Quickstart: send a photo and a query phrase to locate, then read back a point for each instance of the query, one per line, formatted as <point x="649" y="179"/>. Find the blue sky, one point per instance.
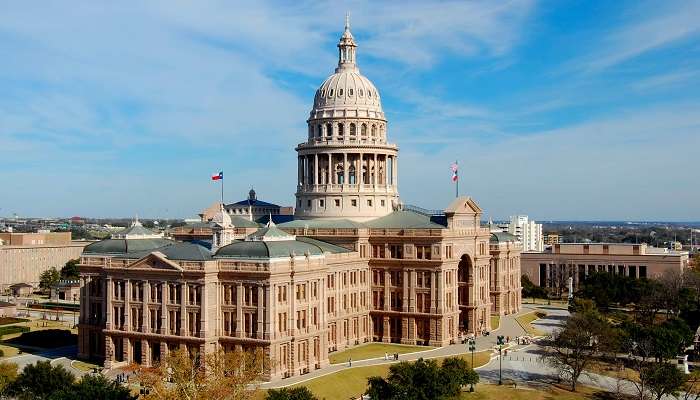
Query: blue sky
<point x="557" y="109"/>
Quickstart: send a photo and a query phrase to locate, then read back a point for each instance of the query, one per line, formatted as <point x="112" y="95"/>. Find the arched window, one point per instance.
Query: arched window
<point x="374" y="130"/>
<point x="369" y="93"/>
<point x="363" y="130"/>
<point x="362" y="92"/>
<point x="350" y="92"/>
<point x="353" y="130"/>
<point x="340" y="130"/>
<point x="323" y="93"/>
<point x="352" y="179"/>
<point x="330" y="93"/>
<point x="329" y="130"/>
<point x="340" y="92"/>
<point x="339" y="178"/>
<point x="319" y="131"/>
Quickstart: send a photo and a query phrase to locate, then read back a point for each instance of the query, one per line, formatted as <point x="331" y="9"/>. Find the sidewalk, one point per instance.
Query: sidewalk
<point x="508" y="327"/>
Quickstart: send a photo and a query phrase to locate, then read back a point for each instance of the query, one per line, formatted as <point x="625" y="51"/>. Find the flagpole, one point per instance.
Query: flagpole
<point x="457" y="186"/>
<point x="222" y="191"/>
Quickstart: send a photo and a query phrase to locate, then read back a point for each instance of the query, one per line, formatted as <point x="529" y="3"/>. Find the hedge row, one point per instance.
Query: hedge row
<point x="8" y="330"/>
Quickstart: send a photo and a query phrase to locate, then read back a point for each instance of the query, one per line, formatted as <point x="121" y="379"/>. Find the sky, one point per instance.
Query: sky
<point x="562" y="110"/>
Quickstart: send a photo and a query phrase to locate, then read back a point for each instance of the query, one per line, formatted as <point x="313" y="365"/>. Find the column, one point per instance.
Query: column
<point x="164" y="317"/>
<point x="359" y="173"/>
<point x="127" y="304"/>
<point x="375" y="170"/>
<point x="239" y="310"/>
<point x="439" y="285"/>
<point x="412" y="291"/>
<point x="315" y="169"/>
<point x="300" y="178"/>
<point x="261" y="300"/>
<point x="183" y="309"/>
<point x="405" y="299"/>
<point x="108" y="302"/>
<point x="395" y="171"/>
<point x="433" y="292"/>
<point x="330" y="168"/>
<point x="345" y="169"/>
<point x="203" y="310"/>
<point x="387" y="297"/>
<point x="146" y="323"/>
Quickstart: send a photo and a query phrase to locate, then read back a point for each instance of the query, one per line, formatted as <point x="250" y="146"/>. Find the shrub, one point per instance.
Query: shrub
<point x="8" y="330"/>
<point x="11" y="320"/>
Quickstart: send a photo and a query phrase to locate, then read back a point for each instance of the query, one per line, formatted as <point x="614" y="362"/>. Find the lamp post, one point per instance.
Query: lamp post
<point x="500" y="342"/>
<point x="472" y="347"/>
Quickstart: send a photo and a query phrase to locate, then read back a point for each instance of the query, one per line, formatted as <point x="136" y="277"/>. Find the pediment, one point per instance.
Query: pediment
<point x="463" y="205"/>
<point x="155" y="261"/>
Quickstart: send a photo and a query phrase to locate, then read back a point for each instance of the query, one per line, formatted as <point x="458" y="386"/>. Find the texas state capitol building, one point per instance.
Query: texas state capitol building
<point x="354" y="266"/>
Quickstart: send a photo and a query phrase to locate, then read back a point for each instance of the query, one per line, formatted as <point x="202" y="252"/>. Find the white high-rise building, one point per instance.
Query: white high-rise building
<point x="529" y="232"/>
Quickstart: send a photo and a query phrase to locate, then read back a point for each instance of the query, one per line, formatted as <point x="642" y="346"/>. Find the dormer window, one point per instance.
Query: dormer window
<point x="330" y="93"/>
<point x="369" y="93"/>
<point x="340" y="92"/>
<point x="350" y="92"/>
<point x="362" y="93"/>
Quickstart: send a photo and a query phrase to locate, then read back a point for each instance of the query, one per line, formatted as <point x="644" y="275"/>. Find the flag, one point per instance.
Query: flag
<point x="454" y="168"/>
<point x="216" y="177"/>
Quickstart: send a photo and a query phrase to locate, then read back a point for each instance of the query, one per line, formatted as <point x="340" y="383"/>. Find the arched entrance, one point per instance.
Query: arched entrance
<point x="464" y="283"/>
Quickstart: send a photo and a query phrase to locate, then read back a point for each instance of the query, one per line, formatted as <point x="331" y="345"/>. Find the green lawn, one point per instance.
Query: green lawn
<point x="373" y="350"/>
<point x="84" y="366"/>
<point x="352" y="382"/>
<point x="487" y="391"/>
<point x="495" y="322"/>
<point x="526" y="319"/>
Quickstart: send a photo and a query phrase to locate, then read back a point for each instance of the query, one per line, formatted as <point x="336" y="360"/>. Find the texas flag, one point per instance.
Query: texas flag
<point x="218" y="176"/>
<point x="454" y="168"/>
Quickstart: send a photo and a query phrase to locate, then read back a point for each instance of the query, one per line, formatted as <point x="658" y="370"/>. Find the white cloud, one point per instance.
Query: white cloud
<point x="659" y="25"/>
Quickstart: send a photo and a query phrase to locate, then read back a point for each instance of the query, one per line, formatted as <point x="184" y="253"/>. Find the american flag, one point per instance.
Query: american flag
<point x="454" y="168"/>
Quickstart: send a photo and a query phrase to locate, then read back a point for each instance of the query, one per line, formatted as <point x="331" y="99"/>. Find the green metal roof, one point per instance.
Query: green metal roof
<point x="497" y="237"/>
<point x="270" y="232"/>
<point x="404" y="219"/>
<point x="321" y="223"/>
<point x="241" y="222"/>
<point x="138" y="248"/>
<point x="277" y="248"/>
<point x="136" y="230"/>
<point x="124" y="246"/>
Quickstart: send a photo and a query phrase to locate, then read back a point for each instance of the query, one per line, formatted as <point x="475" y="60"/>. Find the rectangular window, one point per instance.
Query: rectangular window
<point x="321" y="203"/>
<point x="369" y="202"/>
<point x="337" y="202"/>
<point x="353" y="202"/>
<point x="382" y="203"/>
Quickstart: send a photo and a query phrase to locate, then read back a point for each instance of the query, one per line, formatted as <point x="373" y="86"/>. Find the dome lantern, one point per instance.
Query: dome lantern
<point x="346" y="49"/>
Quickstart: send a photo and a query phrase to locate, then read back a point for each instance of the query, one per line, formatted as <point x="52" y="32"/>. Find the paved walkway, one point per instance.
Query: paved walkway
<point x="508" y="327"/>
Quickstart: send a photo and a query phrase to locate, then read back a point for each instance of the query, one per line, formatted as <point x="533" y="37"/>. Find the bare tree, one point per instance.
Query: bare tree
<point x="571" y="349"/>
<point x="216" y="375"/>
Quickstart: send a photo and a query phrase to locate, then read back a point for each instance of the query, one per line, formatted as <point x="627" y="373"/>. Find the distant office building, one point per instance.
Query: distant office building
<point x="552" y="239"/>
<point x="24" y="256"/>
<point x="553" y="267"/>
<point x="528" y="232"/>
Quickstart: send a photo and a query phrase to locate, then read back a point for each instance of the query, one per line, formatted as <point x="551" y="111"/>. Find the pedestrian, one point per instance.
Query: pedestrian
<point x="396" y="356"/>
<point x="508" y="339"/>
<point x="350" y="362"/>
<point x="386" y="356"/>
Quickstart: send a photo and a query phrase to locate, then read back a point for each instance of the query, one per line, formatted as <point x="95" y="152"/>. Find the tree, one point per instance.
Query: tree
<point x="457" y="373"/>
<point x="40" y="380"/>
<point x="296" y="393"/>
<point x="94" y="387"/>
<point x="216" y="375"/>
<point x="529" y="289"/>
<point x="49" y="278"/>
<point x="70" y="270"/>
<point x="572" y="348"/>
<point x="662" y="379"/>
<point x="422" y="380"/>
<point x="8" y="374"/>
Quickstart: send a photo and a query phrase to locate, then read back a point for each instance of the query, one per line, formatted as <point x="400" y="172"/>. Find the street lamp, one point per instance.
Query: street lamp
<point x="472" y="347"/>
<point x="500" y="342"/>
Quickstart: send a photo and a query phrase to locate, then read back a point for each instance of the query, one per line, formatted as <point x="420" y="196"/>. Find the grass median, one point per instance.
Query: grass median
<point x="352" y="382"/>
<point x="525" y="322"/>
<point x="373" y="350"/>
